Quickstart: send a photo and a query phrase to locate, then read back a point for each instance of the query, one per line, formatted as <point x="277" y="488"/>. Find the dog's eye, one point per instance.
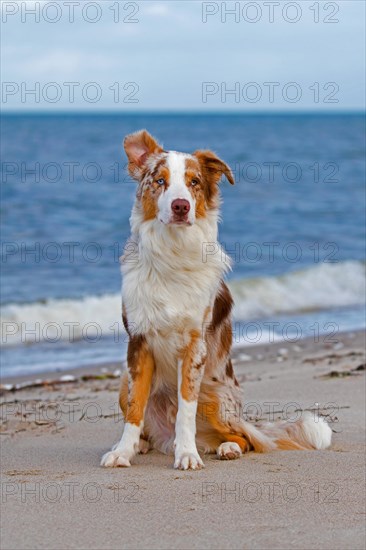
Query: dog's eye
<point x="160" y="181"/>
<point x="194" y="182"/>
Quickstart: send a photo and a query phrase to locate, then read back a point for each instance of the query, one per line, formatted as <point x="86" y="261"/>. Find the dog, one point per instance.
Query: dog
<point x="180" y="393"/>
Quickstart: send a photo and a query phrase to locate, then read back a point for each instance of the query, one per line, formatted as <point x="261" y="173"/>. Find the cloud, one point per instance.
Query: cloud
<point x="62" y="65"/>
<point x="158" y="9"/>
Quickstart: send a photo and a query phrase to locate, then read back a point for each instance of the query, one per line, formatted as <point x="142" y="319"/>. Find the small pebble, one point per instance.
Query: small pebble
<point x="244" y="357"/>
<point x="67" y="378"/>
<point x="6" y="387"/>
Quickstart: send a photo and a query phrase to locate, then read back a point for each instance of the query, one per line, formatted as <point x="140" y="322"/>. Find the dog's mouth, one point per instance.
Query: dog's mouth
<point x="180" y="221"/>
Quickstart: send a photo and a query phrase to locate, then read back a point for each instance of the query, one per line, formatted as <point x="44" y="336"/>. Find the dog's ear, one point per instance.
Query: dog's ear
<point x="213" y="168"/>
<point x="139" y="146"/>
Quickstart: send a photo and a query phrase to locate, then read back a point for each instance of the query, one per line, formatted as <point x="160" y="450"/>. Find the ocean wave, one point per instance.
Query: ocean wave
<point x="325" y="286"/>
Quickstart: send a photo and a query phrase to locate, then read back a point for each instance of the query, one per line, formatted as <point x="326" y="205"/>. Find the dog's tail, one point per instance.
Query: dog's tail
<point x="310" y="432"/>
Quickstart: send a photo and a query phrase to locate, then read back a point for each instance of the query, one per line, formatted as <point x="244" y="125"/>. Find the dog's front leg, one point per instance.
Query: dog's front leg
<point x="140" y="364"/>
<point x="190" y="372"/>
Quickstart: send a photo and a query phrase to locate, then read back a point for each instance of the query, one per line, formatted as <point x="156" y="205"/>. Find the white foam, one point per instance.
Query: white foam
<point x="322" y="287"/>
<point x="92" y="317"/>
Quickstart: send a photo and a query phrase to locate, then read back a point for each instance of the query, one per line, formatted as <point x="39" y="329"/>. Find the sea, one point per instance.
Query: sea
<point x="293" y="223"/>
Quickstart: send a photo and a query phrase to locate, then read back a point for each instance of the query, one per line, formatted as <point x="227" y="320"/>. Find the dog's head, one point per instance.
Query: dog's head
<point x="175" y="188"/>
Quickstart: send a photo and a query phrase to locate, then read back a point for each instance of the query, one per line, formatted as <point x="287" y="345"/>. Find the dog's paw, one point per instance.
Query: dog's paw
<point x="228" y="451"/>
<point x="188" y="461"/>
<point x="115" y="459"/>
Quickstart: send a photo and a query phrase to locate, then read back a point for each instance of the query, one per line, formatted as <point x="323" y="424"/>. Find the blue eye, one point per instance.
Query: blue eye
<point x="194" y="182"/>
<point x="160" y="181"/>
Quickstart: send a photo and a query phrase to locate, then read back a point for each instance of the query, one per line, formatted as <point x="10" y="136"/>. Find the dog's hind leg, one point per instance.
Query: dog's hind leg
<point x="233" y="448"/>
<point x="216" y="422"/>
<point x="140" y="367"/>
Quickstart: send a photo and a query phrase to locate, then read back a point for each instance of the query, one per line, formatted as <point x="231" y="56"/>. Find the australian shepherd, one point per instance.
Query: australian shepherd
<point x="180" y="393"/>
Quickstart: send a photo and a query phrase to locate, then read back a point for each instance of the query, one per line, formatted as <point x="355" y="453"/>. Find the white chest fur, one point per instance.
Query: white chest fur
<point x="169" y="279"/>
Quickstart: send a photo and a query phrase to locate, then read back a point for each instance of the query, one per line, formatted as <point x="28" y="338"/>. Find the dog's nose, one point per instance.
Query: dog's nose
<point x="181" y="207"/>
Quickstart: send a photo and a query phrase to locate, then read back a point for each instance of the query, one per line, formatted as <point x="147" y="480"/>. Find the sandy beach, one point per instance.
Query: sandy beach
<point x="55" y="495"/>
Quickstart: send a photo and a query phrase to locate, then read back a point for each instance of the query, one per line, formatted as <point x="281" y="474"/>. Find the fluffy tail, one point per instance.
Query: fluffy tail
<point x="307" y="433"/>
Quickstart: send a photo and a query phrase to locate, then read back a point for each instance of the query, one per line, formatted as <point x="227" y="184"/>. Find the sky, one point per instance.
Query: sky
<point x="183" y="56"/>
